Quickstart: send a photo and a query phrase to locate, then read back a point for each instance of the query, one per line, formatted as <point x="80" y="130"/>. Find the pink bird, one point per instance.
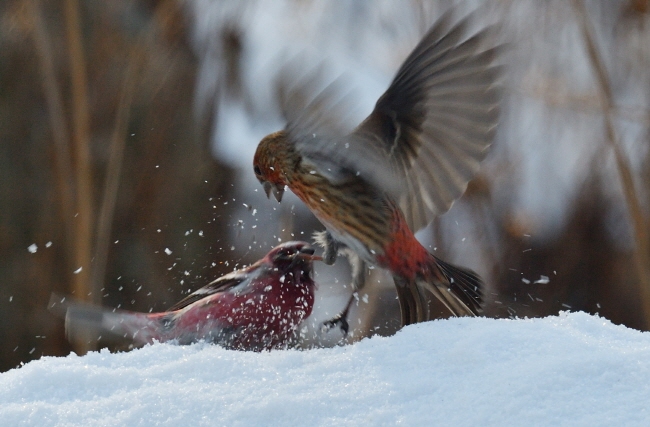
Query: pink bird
<point x="256" y="308"/>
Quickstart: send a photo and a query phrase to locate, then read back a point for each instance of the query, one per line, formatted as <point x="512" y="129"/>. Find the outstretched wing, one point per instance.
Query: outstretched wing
<point x="437" y="118"/>
<point x="222" y="284"/>
<point x="429" y="131"/>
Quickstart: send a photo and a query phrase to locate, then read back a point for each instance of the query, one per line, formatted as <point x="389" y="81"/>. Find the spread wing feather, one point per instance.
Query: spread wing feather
<point x="428" y="132"/>
<point x="222" y="284"/>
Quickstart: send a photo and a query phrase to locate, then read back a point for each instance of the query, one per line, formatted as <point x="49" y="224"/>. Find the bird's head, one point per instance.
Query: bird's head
<point x="272" y="159"/>
<point x="290" y="255"/>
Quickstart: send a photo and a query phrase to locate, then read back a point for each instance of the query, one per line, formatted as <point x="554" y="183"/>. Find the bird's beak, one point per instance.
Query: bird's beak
<point x="307" y="253"/>
<point x="270" y="188"/>
<point x="277" y="193"/>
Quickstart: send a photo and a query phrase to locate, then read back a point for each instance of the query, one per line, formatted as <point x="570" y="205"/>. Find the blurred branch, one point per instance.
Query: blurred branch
<point x="642" y="253"/>
<point x="63" y="168"/>
<point x="162" y="13"/>
<point x="112" y="182"/>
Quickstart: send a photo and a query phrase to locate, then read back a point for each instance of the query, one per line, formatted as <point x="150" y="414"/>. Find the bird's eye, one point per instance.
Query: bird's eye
<point x="258" y="171"/>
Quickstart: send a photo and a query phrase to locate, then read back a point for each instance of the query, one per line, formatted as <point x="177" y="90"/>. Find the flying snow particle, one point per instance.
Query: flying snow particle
<point x="77" y="271"/>
<point x="542" y="280"/>
<point x="48" y="244"/>
<point x="167" y="251"/>
<point x="32" y="248"/>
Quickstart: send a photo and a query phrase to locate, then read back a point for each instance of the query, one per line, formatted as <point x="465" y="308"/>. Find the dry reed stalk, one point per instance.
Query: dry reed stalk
<point x="81" y="144"/>
<point x="83" y="222"/>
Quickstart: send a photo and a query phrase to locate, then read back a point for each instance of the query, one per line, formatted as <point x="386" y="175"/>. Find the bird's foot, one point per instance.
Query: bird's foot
<point x="341" y="319"/>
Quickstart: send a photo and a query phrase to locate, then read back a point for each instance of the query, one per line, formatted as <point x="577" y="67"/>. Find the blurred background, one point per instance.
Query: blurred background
<point x="127" y="131"/>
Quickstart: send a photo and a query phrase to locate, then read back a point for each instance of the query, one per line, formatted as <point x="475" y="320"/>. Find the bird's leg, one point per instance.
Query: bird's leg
<point x="359" y="269"/>
<point x="358" y="281"/>
<point x="341" y="319"/>
<point x="330" y="246"/>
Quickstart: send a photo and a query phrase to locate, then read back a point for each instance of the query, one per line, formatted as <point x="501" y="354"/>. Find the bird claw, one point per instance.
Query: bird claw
<point x="340" y="320"/>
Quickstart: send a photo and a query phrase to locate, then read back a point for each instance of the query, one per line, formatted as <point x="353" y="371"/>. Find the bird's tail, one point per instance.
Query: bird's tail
<point x="84" y="320"/>
<point x="459" y="289"/>
<point x="413" y="306"/>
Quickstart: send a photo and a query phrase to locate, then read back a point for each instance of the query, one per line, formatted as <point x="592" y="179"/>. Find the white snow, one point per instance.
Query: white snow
<point x="573" y="370"/>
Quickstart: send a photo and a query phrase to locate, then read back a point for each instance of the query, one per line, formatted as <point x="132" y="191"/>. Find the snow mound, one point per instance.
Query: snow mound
<point x="574" y="369"/>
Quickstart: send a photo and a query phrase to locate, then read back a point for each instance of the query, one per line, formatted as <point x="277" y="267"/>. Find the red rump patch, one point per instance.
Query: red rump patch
<point x="404" y="255"/>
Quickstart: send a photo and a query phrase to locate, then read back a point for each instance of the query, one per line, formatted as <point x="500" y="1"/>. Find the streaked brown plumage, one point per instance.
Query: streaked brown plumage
<point x="402" y="166"/>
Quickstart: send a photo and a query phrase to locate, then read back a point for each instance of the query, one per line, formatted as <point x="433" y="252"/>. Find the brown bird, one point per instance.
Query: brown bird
<point x="403" y="165"/>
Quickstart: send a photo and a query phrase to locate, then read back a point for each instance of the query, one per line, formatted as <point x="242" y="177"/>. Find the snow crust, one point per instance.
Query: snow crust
<point x="573" y="370"/>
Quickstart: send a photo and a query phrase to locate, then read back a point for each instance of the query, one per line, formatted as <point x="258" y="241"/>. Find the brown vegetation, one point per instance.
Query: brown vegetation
<point x="104" y="154"/>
